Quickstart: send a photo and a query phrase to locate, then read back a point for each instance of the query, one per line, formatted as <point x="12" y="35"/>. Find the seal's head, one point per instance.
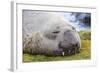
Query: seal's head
<point x="65" y="36"/>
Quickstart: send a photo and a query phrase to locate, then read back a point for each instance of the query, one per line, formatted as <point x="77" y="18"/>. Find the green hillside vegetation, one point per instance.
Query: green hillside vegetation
<point x="85" y="52"/>
<point x="85" y="35"/>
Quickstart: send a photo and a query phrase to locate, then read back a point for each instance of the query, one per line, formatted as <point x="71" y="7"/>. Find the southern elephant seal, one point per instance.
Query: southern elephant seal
<point x="48" y="33"/>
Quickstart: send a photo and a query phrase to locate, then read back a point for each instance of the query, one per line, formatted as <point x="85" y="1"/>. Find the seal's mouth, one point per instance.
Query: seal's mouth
<point x="67" y="52"/>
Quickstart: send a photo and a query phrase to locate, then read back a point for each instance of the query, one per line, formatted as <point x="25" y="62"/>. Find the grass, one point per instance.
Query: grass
<point x="85" y="53"/>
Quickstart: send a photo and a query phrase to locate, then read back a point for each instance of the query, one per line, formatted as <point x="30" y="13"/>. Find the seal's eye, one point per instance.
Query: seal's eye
<point x="73" y="28"/>
<point x="56" y="32"/>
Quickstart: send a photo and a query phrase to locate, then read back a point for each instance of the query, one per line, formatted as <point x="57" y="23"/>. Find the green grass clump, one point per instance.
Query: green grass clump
<point x="85" y="52"/>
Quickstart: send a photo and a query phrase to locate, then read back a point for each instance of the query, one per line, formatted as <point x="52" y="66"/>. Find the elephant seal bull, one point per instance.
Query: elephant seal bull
<point x="48" y="33"/>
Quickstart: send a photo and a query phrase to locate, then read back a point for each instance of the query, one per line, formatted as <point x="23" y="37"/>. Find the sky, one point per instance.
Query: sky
<point x="71" y="18"/>
<point x="31" y="16"/>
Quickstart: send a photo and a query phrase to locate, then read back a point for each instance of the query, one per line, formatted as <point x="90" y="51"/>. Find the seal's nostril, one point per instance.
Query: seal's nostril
<point x="77" y="45"/>
<point x="60" y="46"/>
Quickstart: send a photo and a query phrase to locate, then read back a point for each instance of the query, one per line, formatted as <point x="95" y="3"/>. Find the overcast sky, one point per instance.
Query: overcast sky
<point x="71" y="18"/>
<point x="66" y="15"/>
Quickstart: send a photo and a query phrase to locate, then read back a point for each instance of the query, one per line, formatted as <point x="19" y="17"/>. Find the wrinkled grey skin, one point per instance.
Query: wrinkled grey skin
<point x="49" y="34"/>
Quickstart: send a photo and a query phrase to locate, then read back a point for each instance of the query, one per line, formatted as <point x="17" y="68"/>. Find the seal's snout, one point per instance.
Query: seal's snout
<point x="70" y="43"/>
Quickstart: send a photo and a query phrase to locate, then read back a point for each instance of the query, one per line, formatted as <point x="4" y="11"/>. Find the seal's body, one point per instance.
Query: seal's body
<point x="48" y="33"/>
